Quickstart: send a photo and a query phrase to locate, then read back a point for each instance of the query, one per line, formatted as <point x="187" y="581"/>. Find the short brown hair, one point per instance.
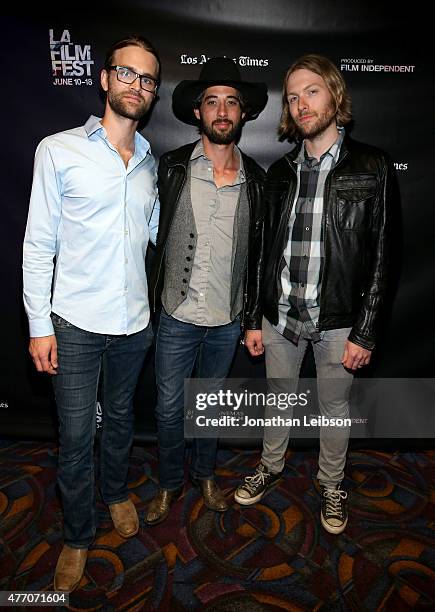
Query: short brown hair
<point x="335" y="83"/>
<point x="135" y="40"/>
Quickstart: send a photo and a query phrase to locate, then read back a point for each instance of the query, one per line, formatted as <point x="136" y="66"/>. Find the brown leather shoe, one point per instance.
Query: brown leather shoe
<point x="159" y="508"/>
<point x="213" y="496"/>
<point x="69" y="568"/>
<point x="124" y="517"/>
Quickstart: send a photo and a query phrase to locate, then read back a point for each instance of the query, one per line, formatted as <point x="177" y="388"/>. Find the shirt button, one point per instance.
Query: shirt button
<point x="126" y="260"/>
<point x="209" y="169"/>
<point x="307" y="228"/>
<point x="126" y="232"/>
<point x="201" y="294"/>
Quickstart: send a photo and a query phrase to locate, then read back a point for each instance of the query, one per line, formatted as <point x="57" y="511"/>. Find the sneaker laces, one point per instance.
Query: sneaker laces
<point x="333" y="501"/>
<point x="251" y="482"/>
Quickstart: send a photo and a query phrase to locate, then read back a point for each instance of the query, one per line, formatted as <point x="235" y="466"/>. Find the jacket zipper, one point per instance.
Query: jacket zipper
<point x="289" y="206"/>
<point x="326" y="193"/>
<point x="245" y="289"/>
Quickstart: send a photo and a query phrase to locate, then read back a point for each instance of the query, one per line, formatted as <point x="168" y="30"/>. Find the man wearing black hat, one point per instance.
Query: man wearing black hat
<point x="210" y="223"/>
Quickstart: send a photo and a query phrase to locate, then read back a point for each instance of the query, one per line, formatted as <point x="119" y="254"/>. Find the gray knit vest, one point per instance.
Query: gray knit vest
<point x="181" y="247"/>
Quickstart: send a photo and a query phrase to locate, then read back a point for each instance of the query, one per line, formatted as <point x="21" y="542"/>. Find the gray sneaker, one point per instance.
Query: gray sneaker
<point x="255" y="486"/>
<point x="334" y="509"/>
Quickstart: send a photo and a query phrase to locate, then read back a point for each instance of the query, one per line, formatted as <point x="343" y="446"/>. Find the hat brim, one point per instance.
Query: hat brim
<point x="186" y="93"/>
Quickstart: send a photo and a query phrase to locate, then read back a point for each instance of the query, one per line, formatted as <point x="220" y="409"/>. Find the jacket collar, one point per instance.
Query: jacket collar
<point x="347" y="142"/>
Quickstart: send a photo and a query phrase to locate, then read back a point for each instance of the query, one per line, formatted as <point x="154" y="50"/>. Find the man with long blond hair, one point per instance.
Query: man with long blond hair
<point x="323" y="269"/>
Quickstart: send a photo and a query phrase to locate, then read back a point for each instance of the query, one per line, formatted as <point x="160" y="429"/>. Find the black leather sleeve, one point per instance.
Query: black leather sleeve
<point x="253" y="311"/>
<point x="365" y="327"/>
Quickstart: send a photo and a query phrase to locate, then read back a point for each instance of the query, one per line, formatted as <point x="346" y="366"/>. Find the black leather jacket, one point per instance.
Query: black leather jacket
<point x="171" y="177"/>
<point x="357" y="204"/>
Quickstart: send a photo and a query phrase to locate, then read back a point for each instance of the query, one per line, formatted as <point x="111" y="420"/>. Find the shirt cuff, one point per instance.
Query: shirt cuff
<point x="40" y="327"/>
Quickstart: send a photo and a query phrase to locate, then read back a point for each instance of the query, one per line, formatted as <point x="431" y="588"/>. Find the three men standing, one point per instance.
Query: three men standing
<point x="310" y="254"/>
<point x="93" y="207"/>
<point x="324" y="269"/>
<point x="211" y="225"/>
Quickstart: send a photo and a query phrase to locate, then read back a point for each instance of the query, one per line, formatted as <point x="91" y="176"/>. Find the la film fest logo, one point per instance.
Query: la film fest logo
<point x="242" y="60"/>
<point x="368" y="65"/>
<point x="71" y="63"/>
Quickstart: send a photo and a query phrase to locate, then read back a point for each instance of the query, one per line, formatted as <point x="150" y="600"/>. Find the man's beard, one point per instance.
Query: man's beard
<point x="216" y="136"/>
<point x="123" y="109"/>
<point x="318" y="127"/>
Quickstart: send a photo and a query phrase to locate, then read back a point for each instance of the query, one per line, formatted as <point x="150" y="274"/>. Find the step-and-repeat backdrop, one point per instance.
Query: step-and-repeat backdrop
<point x="50" y="72"/>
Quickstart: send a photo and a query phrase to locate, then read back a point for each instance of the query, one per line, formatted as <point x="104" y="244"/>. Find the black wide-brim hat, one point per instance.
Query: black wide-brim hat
<point x="217" y="71"/>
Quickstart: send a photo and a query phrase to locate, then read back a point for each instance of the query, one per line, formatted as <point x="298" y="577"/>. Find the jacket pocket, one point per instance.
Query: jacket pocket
<point x="355" y="197"/>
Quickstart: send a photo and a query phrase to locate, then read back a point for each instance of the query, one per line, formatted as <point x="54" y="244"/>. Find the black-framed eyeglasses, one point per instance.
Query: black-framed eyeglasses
<point x="127" y="75"/>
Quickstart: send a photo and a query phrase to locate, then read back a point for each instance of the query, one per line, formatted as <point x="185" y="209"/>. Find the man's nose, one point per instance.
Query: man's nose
<point x="222" y="109"/>
<point x="302" y="103"/>
<point x="136" y="85"/>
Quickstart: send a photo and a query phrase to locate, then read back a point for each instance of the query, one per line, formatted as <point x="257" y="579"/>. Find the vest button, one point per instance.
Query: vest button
<point x="183" y="293"/>
<point x="192" y="235"/>
<point x="190" y="247"/>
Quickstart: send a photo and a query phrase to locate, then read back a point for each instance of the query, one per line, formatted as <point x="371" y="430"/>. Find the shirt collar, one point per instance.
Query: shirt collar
<point x="141" y="144"/>
<point x="333" y="151"/>
<point x="92" y="125"/>
<point x="198" y="151"/>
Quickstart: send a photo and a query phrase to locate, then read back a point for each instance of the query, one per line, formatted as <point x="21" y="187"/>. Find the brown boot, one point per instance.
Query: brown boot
<point x="159" y="508"/>
<point x="213" y="496"/>
<point x="125" y="519"/>
<point x="69" y="568"/>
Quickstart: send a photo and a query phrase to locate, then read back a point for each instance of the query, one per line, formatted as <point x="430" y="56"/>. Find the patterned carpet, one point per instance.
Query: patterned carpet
<point x="272" y="556"/>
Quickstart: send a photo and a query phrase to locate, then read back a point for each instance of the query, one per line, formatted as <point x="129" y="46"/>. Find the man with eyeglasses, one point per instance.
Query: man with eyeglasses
<point x="93" y="209"/>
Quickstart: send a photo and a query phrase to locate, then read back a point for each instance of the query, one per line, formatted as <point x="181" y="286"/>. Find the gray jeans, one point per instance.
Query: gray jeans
<point x="283" y="363"/>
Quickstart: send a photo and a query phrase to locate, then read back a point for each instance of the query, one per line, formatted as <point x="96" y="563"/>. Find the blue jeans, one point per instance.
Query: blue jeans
<point x="81" y="356"/>
<point x="179" y="345"/>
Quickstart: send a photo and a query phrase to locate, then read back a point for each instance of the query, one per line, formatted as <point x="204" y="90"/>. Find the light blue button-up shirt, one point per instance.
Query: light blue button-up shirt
<point x="95" y="216"/>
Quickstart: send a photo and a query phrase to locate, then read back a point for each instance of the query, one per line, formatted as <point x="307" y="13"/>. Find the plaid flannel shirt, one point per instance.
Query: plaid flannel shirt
<point x="302" y="260"/>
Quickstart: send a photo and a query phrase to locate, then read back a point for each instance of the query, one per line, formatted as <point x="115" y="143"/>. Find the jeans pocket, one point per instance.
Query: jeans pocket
<point x="59" y="322"/>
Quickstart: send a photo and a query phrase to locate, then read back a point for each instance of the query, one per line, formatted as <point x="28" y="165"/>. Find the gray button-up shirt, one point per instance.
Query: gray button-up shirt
<point x="208" y="296"/>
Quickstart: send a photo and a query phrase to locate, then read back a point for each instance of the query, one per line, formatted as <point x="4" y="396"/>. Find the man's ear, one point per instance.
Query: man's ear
<point x="197" y="114"/>
<point x="104" y="79"/>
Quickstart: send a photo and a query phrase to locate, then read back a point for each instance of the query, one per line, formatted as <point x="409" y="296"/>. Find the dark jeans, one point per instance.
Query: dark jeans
<point x="179" y="345"/>
<point x="81" y="356"/>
